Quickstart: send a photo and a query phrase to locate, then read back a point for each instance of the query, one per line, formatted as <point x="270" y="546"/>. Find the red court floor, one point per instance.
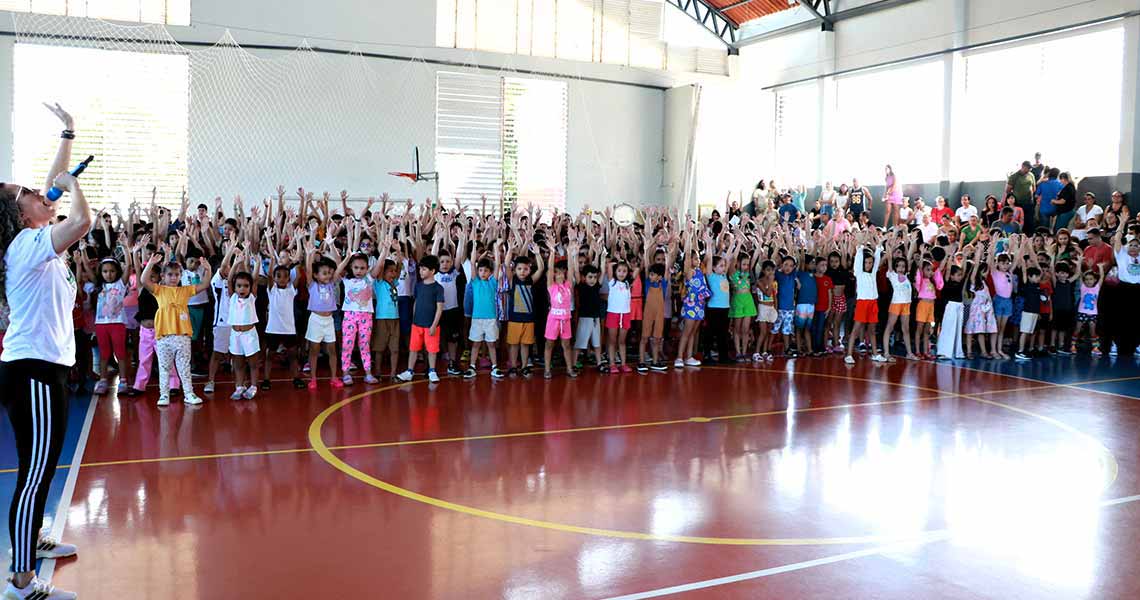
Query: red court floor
<point x="805" y="479"/>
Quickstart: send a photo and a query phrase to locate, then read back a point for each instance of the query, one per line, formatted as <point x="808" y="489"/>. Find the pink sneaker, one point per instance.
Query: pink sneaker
<point x="313" y="383"/>
<point x="626" y="369"/>
<point x="337" y="384"/>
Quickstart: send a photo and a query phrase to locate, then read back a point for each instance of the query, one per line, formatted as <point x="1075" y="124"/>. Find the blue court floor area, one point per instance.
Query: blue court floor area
<point x="1112" y="374"/>
<point x="77" y="412"/>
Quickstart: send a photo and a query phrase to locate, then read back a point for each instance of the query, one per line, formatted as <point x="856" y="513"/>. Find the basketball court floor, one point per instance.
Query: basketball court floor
<point x="798" y="479"/>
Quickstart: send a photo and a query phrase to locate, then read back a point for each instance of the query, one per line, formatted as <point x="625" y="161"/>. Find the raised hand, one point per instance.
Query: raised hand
<point x="62" y="115"/>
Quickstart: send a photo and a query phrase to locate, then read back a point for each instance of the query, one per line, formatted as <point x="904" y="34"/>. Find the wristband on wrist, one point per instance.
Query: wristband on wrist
<point x="67" y="134"/>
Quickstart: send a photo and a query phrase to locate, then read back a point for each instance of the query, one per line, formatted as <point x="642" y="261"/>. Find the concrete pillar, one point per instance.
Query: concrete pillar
<point x="1128" y="180"/>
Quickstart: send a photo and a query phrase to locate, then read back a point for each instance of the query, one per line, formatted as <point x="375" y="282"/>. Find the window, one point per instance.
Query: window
<point x="797" y="134"/>
<point x="162" y="12"/>
<point x="1060" y="97"/>
<point x="501" y="137"/>
<point x="131" y="113"/>
<point x="888" y="116"/>
<point x="617" y="32"/>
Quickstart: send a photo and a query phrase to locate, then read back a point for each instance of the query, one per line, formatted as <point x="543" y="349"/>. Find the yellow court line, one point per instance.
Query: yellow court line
<point x="495" y="436"/>
<point x="941" y="395"/>
<point x="317" y="442"/>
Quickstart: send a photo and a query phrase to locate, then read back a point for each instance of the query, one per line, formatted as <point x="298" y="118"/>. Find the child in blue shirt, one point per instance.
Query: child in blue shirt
<point x="786" y="279"/>
<point x="386" y="328"/>
<point x="806" y="298"/>
<point x="479" y="302"/>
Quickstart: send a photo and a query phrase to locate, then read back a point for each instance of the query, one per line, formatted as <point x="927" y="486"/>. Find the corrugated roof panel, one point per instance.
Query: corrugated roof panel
<point x="742" y="12"/>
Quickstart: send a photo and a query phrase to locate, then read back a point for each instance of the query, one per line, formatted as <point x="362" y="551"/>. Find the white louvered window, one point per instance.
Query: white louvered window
<point x="132" y="113"/>
<point x="503" y="138"/>
<point x="534" y="141"/>
<point x="797" y="135"/>
<point x="162" y="12"/>
<point x="469" y="136"/>
<point x="616" y="32"/>
<point x="1058" y="95"/>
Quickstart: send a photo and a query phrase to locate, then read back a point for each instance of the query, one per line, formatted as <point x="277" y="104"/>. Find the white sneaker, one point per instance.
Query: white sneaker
<point x="37" y="589"/>
<point x="164" y="400"/>
<point x="678" y="364"/>
<point x="250" y="392"/>
<point x="433" y="376"/>
<point x="48" y="547"/>
<point x="879" y="358"/>
<point x="100" y="387"/>
<point x="208" y="388"/>
<point x="347" y="379"/>
<point x="191" y="399"/>
<point x="238" y="393"/>
<point x="405" y="376"/>
<point x="692" y="362"/>
<point x="849" y="360"/>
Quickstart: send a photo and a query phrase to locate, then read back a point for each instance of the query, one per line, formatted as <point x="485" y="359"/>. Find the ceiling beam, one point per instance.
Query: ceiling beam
<point x="828" y="24"/>
<point x="711" y="18"/>
<point x="858" y="11"/>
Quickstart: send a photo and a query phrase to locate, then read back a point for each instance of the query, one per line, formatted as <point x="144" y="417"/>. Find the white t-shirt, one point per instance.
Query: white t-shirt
<point x="965" y="212"/>
<point x="242" y="311"/>
<point x="866" y="287"/>
<point x="929" y="231"/>
<point x="281" y="319"/>
<point x="1085" y="214"/>
<point x="357" y="294"/>
<point x="619" y="297"/>
<point x="220" y="288"/>
<point x="450" y="294"/>
<point x="1128" y="267"/>
<point x="41" y="294"/>
<point x="901" y="289"/>
<point x="194" y="278"/>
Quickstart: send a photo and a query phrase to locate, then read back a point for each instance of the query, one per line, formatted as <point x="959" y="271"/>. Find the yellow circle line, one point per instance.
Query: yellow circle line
<point x="317" y="442"/>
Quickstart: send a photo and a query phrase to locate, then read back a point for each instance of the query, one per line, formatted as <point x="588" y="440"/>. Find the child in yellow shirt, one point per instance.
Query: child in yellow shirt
<point x="172" y="326"/>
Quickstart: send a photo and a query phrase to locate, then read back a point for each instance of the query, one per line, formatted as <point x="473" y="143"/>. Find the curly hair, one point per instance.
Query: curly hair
<point x="11" y="222"/>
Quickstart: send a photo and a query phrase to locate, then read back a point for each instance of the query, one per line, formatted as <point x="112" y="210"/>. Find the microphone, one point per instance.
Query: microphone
<point x="55" y="193"/>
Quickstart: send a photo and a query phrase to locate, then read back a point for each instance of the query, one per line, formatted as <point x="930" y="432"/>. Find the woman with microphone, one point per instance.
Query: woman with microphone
<point x="39" y="349"/>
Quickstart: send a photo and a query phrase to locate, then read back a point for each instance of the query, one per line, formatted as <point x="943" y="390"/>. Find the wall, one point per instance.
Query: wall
<point x="924" y="27"/>
<point x="616" y="141"/>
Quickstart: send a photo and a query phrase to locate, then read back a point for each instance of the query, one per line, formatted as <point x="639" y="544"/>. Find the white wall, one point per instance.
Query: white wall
<point x="931" y="26"/>
<point x="616" y="138"/>
<point x="679" y="104"/>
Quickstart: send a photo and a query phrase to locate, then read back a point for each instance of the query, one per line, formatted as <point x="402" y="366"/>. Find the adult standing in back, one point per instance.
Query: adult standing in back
<point x="39" y="350"/>
<point x="1023" y="186"/>
<point x="892" y="198"/>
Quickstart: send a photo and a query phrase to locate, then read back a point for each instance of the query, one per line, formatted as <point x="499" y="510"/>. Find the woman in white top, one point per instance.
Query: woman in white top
<point x="39" y="350"/>
<point x="827" y="199"/>
<point x="1087" y="217"/>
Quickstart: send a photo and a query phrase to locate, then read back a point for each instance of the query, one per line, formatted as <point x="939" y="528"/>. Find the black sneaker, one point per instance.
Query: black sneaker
<point x="1021" y="356"/>
<point x="266" y="385"/>
<point x="298" y="383"/>
<point x="470" y="373"/>
<point x="642" y="368"/>
<point x="526" y="371"/>
<point x="603" y="369"/>
<point x="453" y="369"/>
<point x="497" y="373"/>
<point x="512" y="372"/>
<point x="660" y="367"/>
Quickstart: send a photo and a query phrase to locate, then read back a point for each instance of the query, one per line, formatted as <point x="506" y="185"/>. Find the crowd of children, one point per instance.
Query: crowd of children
<point x="298" y="285"/>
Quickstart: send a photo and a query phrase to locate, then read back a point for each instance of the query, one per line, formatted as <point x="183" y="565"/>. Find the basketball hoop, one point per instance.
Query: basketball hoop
<point x="413" y="177"/>
<point x="419" y="176"/>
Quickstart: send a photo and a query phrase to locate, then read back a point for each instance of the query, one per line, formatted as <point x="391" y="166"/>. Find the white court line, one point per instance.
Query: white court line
<point x="47" y="568"/>
<point x="936" y="536"/>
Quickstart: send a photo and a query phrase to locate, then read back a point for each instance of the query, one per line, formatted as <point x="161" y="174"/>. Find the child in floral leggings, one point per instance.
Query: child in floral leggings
<point x="172" y="329"/>
<point x="357" y="309"/>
